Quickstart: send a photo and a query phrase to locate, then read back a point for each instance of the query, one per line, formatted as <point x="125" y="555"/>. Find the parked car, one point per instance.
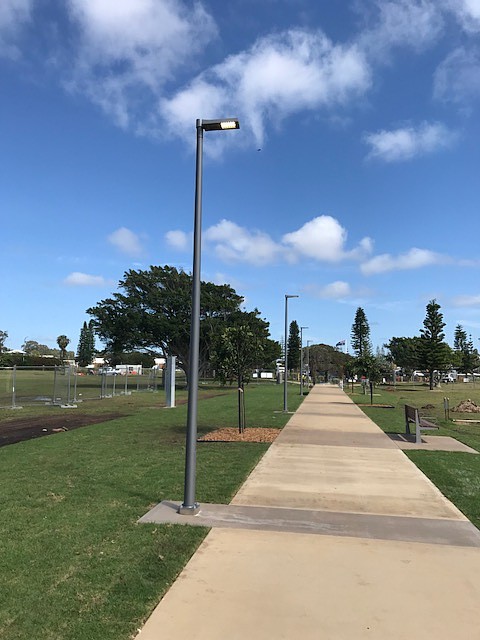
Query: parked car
<point x="109" y="371"/>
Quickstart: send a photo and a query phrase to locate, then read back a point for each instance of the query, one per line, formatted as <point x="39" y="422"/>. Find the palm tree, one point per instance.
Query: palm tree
<point x="63" y="343"/>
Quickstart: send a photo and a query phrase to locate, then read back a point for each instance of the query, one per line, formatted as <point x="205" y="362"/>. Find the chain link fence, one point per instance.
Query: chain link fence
<point x="67" y="386"/>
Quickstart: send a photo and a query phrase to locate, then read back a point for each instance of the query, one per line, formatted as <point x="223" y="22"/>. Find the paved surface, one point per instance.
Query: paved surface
<point x="336" y="535"/>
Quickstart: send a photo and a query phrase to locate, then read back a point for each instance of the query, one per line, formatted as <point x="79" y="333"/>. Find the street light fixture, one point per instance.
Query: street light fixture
<point x="285" y="406"/>
<point x="301" y="359"/>
<point x="190" y="506"/>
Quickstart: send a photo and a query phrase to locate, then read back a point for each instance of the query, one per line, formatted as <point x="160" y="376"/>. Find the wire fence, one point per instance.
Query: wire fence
<point x="67" y="386"/>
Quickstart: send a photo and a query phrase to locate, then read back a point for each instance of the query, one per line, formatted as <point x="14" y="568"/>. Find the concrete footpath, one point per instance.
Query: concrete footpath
<point x="335" y="535"/>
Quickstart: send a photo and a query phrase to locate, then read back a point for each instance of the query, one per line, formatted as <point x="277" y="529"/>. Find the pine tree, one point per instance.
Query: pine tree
<point x="293" y="346"/>
<point x="360" y="336"/>
<point x="434" y="351"/>
<point x="86" y="345"/>
<point x="465" y="351"/>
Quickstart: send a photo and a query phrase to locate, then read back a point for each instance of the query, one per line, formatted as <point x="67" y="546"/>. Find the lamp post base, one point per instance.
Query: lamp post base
<point x="189" y="511"/>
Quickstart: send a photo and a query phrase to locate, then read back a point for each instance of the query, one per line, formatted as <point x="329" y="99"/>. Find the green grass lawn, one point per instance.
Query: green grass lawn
<point x="74" y="563"/>
<point x="457" y="475"/>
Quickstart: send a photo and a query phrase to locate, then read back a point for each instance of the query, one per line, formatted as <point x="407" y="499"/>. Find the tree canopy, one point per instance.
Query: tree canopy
<point x="86" y="345"/>
<point x="404" y="353"/>
<point x="3" y="338"/>
<point x="243" y="345"/>
<point x="293" y="345"/>
<point x="153" y="311"/>
<point x="434" y="352"/>
<point x="360" y="335"/>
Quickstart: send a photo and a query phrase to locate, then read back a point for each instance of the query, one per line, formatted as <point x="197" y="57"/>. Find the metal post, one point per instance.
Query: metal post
<point x="301" y="359"/>
<point x="14" y="380"/>
<point x="189" y="505"/>
<point x="126" y="379"/>
<point x="75" y="375"/>
<point x="54" y="384"/>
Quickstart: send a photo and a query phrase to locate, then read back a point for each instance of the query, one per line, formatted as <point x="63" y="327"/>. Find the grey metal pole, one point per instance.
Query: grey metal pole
<point x="285" y="403"/>
<point x="301" y="359"/>
<point x="189" y="505"/>
<point x="308" y="362"/>
<point x="14" y="390"/>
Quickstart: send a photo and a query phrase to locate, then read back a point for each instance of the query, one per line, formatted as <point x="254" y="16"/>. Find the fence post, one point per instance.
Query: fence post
<point x="169" y="377"/>
<point x="75" y="374"/>
<point x="14" y="388"/>
<point x="54" y="384"/>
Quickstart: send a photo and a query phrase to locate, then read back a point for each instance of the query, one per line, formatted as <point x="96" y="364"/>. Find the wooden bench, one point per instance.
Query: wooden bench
<point x="412" y="416"/>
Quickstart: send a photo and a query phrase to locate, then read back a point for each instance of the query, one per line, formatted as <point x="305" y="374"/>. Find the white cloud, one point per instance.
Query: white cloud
<point x="13" y="15"/>
<point x="78" y="279"/>
<point x="413" y="259"/>
<point x="233" y="243"/>
<point x="408" y="142"/>
<point x="178" y="240"/>
<point x="333" y="291"/>
<point x="409" y="23"/>
<point x="467" y="12"/>
<point x="126" y="241"/>
<point x="457" y="78"/>
<point x="324" y="238"/>
<point x="467" y="301"/>
<point x="129" y="47"/>
<point x="279" y="75"/>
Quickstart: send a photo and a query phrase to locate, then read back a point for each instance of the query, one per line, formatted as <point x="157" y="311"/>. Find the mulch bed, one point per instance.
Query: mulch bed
<point x="230" y="434"/>
<point x="12" y="431"/>
<point x="379" y="406"/>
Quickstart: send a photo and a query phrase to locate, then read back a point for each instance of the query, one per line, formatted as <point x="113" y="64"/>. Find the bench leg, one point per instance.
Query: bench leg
<point x="418" y="435"/>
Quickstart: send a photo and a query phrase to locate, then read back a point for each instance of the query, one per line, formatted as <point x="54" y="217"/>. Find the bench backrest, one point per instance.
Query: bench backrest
<point x="411" y="413"/>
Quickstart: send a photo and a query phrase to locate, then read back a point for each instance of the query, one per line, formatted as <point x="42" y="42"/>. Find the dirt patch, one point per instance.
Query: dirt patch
<point x="20" y="429"/>
<point x="379" y="406"/>
<point x="251" y="434"/>
<point x="467" y="406"/>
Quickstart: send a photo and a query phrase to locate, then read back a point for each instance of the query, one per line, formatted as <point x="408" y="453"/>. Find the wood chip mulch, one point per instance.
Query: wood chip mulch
<point x="230" y="434"/>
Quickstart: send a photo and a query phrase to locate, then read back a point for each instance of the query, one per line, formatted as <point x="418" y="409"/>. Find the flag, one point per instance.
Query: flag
<point x="340" y="344"/>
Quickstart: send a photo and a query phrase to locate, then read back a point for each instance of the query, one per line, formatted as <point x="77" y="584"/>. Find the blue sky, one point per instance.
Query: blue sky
<point x="353" y="181"/>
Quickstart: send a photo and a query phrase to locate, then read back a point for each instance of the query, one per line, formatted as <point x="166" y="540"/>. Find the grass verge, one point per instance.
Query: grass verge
<point x="75" y="565"/>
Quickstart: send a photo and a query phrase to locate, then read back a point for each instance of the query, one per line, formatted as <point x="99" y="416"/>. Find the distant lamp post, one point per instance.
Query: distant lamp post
<point x="308" y="358"/>
<point x="285" y="404"/>
<point x="301" y="359"/>
<point x="190" y="506"/>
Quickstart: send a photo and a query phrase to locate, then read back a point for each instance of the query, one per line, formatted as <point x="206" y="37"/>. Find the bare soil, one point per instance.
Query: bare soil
<point x="12" y="431"/>
<point x="231" y="434"/>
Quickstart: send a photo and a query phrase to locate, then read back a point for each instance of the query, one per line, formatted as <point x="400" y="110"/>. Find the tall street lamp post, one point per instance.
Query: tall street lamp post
<point x="285" y="405"/>
<point x="301" y="359"/>
<point x="190" y="506"/>
<point x="308" y="359"/>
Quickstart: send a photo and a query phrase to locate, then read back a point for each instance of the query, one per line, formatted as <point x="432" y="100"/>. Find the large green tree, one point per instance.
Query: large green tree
<point x="294" y="346"/>
<point x="153" y="312"/>
<point x="360" y="335"/>
<point x="434" y="352"/>
<point x="404" y="353"/>
<point x="467" y="359"/>
<point x="326" y="361"/>
<point x="242" y="345"/>
<point x="86" y="345"/>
